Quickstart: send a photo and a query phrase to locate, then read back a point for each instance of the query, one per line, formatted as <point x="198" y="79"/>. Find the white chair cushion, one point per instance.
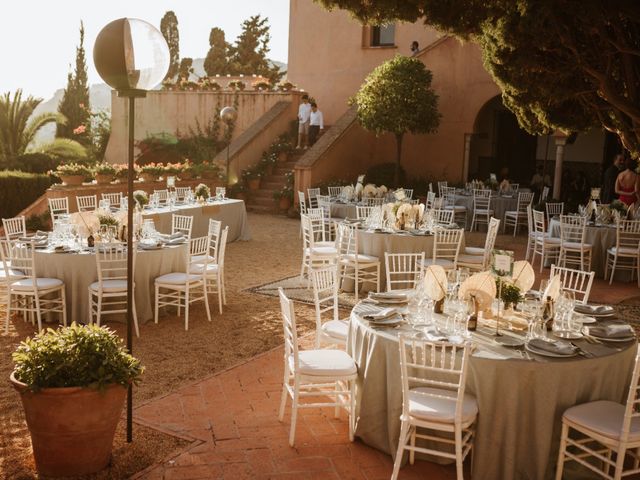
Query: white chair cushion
<point x="110" y="286"/>
<point x="325" y="244"/>
<point x="511" y="213"/>
<point x="474" y="251"/>
<point x="13" y="275"/>
<point x="322" y="251"/>
<point x="325" y="363"/>
<point x="441" y="410"/>
<point x="200" y="259"/>
<point x="604" y="417"/>
<point x="624" y="251"/>
<point x="338" y="329"/>
<point x="350" y="258"/>
<point x="198" y="268"/>
<point x="177" y="278"/>
<point x="576" y="246"/>
<point x="41" y="283"/>
<point x="474" y="259"/>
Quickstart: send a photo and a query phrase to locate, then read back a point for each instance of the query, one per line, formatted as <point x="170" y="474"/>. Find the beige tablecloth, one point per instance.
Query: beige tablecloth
<point x="231" y="213"/>
<point x="79" y="270"/>
<point x="600" y="238"/>
<point x="343" y="210"/>
<point x="499" y="205"/>
<point x="521" y="401"/>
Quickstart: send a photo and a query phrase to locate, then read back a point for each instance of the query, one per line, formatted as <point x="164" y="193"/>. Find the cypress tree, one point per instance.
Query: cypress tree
<point x="169" y="29"/>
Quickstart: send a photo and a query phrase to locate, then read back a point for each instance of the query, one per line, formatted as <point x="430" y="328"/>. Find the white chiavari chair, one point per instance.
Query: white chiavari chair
<point x="315" y="253"/>
<point x="87" y="203"/>
<point x="7" y="276"/>
<point x="108" y="295"/>
<point x="114" y="198"/>
<point x="182" y="224"/>
<point x="435" y="406"/>
<point x="14" y="228"/>
<point x="441" y="187"/>
<point x="324" y="202"/>
<point x="431" y="198"/>
<point x="543" y="244"/>
<point x="605" y="428"/>
<point x="334" y="192"/>
<point x="544" y="194"/>
<point x="313" y="193"/>
<point x="362" y="213"/>
<point x="446" y="248"/>
<point x="443" y="217"/>
<point x="31" y="294"/>
<point x="181" y="289"/>
<point x="573" y="248"/>
<point x="331" y="332"/>
<point x="409" y="193"/>
<point x="530" y="233"/>
<point x="459" y="211"/>
<point x="302" y="202"/>
<point x="183" y="192"/>
<point x="625" y="255"/>
<point x="403" y="270"/>
<point x="356" y="266"/>
<point x="481" y="208"/>
<point x="213" y="230"/>
<point x="514" y="218"/>
<point x="475" y="258"/>
<point x="554" y="209"/>
<point x="213" y="270"/>
<point x="577" y="281"/>
<point x="162" y="195"/>
<point x="57" y="207"/>
<point x="314" y="375"/>
<point x="514" y="188"/>
<point x="372" y="202"/>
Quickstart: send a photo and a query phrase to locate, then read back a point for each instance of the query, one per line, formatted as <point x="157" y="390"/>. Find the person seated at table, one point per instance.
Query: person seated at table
<point x="628" y="183"/>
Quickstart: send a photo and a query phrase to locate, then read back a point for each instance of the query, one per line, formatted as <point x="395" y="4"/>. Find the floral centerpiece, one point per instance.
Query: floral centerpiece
<point x="72" y="173"/>
<point x="618" y="206"/>
<point x="402" y="215"/>
<point x="108" y="220"/>
<point x="202" y="191"/>
<point x="104" y="173"/>
<point x="141" y="197"/>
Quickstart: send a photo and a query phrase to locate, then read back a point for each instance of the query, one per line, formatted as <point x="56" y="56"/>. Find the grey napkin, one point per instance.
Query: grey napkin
<point x="615" y="330"/>
<point x="593" y="309"/>
<point x="558" y="348"/>
<point x="388" y="295"/>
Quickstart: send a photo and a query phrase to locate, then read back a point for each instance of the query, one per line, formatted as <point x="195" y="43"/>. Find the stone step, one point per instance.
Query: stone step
<point x="262" y="208"/>
<point x="268" y="194"/>
<point x="268" y="185"/>
<point x="275" y="178"/>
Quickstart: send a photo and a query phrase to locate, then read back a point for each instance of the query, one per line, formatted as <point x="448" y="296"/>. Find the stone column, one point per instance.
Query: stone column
<point x="561" y="141"/>
<point x="466" y="158"/>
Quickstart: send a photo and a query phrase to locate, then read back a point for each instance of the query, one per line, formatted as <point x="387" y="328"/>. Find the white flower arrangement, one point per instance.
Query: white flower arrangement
<point x="358" y="191"/>
<point x="381" y="191"/>
<point x="369" y="191"/>
<point x="400" y="194"/>
<point x="347" y="193"/>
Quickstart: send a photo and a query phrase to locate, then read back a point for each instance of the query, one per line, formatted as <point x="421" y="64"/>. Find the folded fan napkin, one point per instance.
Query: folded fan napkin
<point x="616" y="330"/>
<point x="558" y="348"/>
<point x="173" y="236"/>
<point x="593" y="309"/>
<point x="383" y="314"/>
<point x="388" y="295"/>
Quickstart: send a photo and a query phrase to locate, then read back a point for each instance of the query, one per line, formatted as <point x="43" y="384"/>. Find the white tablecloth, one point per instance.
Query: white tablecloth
<point x="79" y="270"/>
<point x="520" y="401"/>
<point x="231" y="213"/>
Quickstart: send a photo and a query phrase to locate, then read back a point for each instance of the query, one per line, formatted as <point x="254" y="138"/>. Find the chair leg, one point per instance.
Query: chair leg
<point x="285" y="393"/>
<point x="620" y="456"/>
<point x="336" y="409"/>
<point x="459" y="461"/>
<point x="563" y="446"/>
<point x="186" y="309"/>
<point x="356" y="280"/>
<point x="38" y="313"/>
<point x="99" y="310"/>
<point x="63" y="300"/>
<point x="404" y="430"/>
<point x="412" y="453"/>
<point x="8" y="317"/>
<point x="219" y="285"/>
<point x="613" y="268"/>
<point x="352" y="409"/>
<point x="294" y="412"/>
<point x="223" y="283"/>
<point x="135" y="316"/>
<point x="155" y="306"/>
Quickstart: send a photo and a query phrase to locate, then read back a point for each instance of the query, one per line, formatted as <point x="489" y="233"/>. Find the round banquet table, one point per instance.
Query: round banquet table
<point x="499" y="205"/>
<point x="230" y="212"/>
<point x="79" y="270"/>
<point x="343" y="210"/>
<point x="520" y="400"/>
<point x="601" y="238"/>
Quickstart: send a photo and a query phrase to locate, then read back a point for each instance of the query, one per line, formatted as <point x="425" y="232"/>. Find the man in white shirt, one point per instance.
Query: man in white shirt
<point x="304" y="112"/>
<point x="316" y="123"/>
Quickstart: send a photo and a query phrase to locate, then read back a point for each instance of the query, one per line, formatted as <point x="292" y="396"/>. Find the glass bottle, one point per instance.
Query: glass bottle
<point x="548" y="313"/>
<point x="472" y="324"/>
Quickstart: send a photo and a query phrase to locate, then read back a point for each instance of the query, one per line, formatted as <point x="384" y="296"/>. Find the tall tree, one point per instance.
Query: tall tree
<point x="249" y="53"/>
<point x="217" y="57"/>
<point x="186" y="68"/>
<point x="561" y="64"/>
<point x="75" y="100"/>
<point x="169" y="29"/>
<point x="397" y="98"/>
<point x="18" y="128"/>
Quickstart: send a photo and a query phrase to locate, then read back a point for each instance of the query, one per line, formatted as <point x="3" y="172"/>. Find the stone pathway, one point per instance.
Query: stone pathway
<point x="233" y="416"/>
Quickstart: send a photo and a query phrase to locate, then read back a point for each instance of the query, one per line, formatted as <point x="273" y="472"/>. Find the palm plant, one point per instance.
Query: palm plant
<point x="18" y="128"/>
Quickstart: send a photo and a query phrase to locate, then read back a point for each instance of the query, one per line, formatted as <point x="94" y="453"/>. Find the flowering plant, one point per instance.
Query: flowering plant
<point x="73" y="169"/>
<point x="236" y="85"/>
<point x="153" y="168"/>
<point x="122" y="170"/>
<point x="202" y="191"/>
<point x="262" y="85"/>
<point x="172" y="168"/>
<point x="400" y="194"/>
<point x="141" y="197"/>
<point x="104" y="169"/>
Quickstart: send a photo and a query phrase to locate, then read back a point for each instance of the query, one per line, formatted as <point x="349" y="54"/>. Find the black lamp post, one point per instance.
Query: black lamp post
<point x="228" y="115"/>
<point x="132" y="57"/>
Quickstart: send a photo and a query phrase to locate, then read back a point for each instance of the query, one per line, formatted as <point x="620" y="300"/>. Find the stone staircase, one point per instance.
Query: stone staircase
<point x="261" y="200"/>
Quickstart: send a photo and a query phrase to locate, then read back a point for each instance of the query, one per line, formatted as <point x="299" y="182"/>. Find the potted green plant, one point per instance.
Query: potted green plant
<point x="252" y="177"/>
<point x="72" y="173"/>
<point x="236" y="85"/>
<point x="73" y="382"/>
<point x="284" y="197"/>
<point x="268" y="162"/>
<point x="151" y="172"/>
<point x="141" y="197"/>
<point x="510" y="293"/>
<point x="207" y="170"/>
<point x="262" y="85"/>
<point x="104" y="173"/>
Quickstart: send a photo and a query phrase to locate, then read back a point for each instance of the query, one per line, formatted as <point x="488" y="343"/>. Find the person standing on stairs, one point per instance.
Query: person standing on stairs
<point x="304" y="112"/>
<point x="316" y="123"/>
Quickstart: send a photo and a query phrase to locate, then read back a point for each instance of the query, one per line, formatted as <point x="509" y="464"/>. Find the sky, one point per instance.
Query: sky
<point x="39" y="37"/>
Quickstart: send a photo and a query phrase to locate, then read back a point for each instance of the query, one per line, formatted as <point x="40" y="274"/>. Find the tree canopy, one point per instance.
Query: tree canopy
<point x="217" y="61"/>
<point x="561" y="64"/>
<point x="397" y="98"/>
<point x="74" y="105"/>
<point x="169" y="29"/>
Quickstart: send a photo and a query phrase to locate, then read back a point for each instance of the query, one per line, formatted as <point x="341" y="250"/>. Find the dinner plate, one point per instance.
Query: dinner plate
<point x="508" y="341"/>
<point x="616" y="340"/>
<point x="386" y="322"/>
<point x="151" y="247"/>
<point x="586" y="320"/>
<point x="545" y="353"/>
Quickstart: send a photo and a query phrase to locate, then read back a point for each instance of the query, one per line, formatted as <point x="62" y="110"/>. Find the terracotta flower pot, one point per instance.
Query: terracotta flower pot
<point x="254" y="183"/>
<point x="72" y="179"/>
<point x="103" y="178"/>
<point x="284" y="204"/>
<point x="72" y="428"/>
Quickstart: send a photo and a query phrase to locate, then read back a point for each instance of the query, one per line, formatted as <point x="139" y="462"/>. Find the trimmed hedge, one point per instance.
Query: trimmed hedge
<point x="18" y="190"/>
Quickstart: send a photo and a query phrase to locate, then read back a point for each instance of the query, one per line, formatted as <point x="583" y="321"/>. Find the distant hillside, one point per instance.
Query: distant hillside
<point x="100" y="98"/>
